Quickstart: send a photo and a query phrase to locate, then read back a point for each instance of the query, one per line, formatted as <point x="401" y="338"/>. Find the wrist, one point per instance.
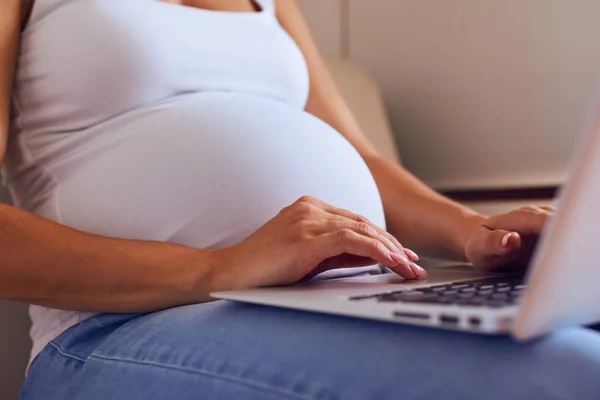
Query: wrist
<point x="204" y="275"/>
<point x="470" y="224"/>
<point x="221" y="273"/>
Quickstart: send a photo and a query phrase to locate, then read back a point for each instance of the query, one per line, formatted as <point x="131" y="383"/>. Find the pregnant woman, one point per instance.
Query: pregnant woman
<point x="160" y="150"/>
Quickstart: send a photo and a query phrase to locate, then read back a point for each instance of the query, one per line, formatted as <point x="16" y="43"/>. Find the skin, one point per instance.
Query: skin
<point x="42" y="262"/>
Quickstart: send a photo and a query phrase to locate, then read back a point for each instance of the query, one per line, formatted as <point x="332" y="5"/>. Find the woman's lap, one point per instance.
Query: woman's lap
<point x="233" y="351"/>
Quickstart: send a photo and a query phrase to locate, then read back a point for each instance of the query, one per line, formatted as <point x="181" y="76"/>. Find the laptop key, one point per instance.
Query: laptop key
<point x="447" y="292"/>
<point x="355" y="298"/>
<point x="468" y="302"/>
<point x="423" y="297"/>
<point x="489" y="292"/>
<point x="460" y="285"/>
<point x="520" y="286"/>
<point x="495" y="304"/>
<point x="406" y="295"/>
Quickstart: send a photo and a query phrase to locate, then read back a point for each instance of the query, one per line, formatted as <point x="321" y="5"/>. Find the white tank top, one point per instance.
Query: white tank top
<point x="148" y="120"/>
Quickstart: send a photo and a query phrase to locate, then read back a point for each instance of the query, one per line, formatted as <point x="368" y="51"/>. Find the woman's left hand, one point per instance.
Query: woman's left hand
<point x="507" y="240"/>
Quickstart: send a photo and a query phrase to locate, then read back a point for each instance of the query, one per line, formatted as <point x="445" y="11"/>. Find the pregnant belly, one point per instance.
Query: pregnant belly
<point x="206" y="170"/>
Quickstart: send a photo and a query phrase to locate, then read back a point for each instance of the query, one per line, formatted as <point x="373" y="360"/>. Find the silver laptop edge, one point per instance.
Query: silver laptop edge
<point x="566" y="261"/>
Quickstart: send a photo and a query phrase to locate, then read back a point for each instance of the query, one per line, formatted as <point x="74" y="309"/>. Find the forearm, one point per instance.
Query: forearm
<point x="419" y="217"/>
<point x="45" y="263"/>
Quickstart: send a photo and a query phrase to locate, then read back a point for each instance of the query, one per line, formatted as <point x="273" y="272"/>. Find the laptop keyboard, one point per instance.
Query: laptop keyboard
<point x="489" y="292"/>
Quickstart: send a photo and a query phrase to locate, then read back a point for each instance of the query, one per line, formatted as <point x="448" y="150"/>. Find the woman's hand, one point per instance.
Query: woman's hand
<point x="507" y="240"/>
<point x="310" y="237"/>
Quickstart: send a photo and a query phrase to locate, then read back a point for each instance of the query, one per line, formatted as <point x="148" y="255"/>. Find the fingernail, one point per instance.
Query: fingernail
<point x="420" y="271"/>
<point x="411" y="254"/>
<point x="505" y="239"/>
<point x="399" y="258"/>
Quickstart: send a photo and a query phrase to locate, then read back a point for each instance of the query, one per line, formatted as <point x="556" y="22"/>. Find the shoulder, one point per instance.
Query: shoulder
<point x="287" y="11"/>
<point x="282" y="5"/>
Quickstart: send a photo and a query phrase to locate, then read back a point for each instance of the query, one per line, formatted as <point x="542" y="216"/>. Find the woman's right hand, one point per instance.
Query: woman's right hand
<point x="310" y="237"/>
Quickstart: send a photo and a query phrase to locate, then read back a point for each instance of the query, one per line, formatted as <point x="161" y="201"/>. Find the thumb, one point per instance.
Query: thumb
<point x="501" y="242"/>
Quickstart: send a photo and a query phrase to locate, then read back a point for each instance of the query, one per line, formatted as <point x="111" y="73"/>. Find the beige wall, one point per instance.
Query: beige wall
<point x="327" y="21"/>
<point x="480" y="92"/>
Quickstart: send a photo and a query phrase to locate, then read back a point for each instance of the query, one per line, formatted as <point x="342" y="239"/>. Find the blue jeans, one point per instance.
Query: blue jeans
<point x="231" y="351"/>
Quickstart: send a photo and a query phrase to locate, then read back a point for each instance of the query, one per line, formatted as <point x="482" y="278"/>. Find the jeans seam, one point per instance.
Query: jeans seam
<point x="197" y="371"/>
<point x="64" y="353"/>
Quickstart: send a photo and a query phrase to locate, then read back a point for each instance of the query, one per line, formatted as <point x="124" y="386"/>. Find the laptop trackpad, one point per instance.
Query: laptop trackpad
<point x="378" y="283"/>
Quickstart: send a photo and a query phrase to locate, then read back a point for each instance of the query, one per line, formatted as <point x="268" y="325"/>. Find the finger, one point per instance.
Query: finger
<point x="506" y="262"/>
<point x="416" y="269"/>
<point x="339" y="213"/>
<point x="524" y="221"/>
<point x="367" y="230"/>
<point x="500" y="243"/>
<point x="347" y="241"/>
<point x="511" y="241"/>
<point x="411" y="254"/>
<point x="550" y="209"/>
<point x="530" y="208"/>
<point x="362" y="228"/>
<point x="350" y="215"/>
<point x="538" y="210"/>
<point x="359" y="218"/>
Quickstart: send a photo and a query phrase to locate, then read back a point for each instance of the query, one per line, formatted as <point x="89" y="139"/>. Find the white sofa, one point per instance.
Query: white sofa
<point x="363" y="97"/>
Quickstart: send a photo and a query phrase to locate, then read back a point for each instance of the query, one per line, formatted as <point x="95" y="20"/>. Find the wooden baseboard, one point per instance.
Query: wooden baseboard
<point x="484" y="195"/>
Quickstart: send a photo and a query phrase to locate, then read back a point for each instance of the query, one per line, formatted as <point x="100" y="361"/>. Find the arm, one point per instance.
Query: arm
<point x="45" y="263"/>
<point x="418" y="216"/>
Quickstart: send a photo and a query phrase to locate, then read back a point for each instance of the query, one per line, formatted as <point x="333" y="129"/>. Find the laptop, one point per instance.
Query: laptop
<point x="561" y="287"/>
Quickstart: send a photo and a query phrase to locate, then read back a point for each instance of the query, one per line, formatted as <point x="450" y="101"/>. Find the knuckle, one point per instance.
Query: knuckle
<point x="285" y="210"/>
<point x="358" y="217"/>
<point x="304" y="236"/>
<point x="361" y="218"/>
<point x="376" y="246"/>
<point x="301" y="230"/>
<point x="548" y="209"/>
<point x="366" y="229"/>
<point x="345" y="235"/>
<point x="532" y="209"/>
<point x="491" y="240"/>
<point x="304" y="209"/>
<point x="306" y="199"/>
